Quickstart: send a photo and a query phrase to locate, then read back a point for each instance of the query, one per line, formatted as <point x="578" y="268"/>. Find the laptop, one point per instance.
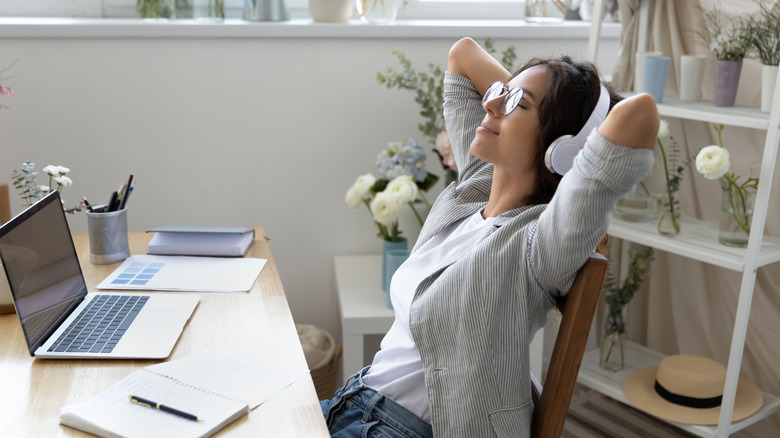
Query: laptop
<point x="51" y="297"/>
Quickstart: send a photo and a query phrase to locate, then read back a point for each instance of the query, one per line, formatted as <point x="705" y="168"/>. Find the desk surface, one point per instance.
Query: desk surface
<point x="34" y="390"/>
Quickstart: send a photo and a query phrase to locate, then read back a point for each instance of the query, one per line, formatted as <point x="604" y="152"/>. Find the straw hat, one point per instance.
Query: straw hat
<point x="688" y="381"/>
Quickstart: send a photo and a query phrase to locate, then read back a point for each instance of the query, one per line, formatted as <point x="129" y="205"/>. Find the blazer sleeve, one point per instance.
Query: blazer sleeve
<point x="463" y="113"/>
<point x="577" y="218"/>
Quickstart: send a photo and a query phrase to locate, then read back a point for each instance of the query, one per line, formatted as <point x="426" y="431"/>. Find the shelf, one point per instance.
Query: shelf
<point x="706" y="111"/>
<point x="637" y="357"/>
<point x="697" y="240"/>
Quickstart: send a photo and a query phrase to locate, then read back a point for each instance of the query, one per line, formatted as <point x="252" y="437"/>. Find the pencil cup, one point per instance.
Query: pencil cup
<point x="108" y="237"/>
<point x="691" y="76"/>
<point x="656" y="71"/>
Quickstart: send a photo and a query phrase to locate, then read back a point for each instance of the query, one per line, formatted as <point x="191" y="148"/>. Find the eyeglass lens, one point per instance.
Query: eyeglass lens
<point x="511" y="100"/>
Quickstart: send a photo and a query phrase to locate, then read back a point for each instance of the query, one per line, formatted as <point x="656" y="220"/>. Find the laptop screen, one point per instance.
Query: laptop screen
<point x="43" y="270"/>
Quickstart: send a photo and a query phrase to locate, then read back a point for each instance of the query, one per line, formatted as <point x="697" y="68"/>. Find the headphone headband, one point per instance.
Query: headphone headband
<point x="559" y="157"/>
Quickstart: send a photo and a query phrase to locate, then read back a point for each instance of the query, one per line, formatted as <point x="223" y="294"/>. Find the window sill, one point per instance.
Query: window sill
<point x="38" y="27"/>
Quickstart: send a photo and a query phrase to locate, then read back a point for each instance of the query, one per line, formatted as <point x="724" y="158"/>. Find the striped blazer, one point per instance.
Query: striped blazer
<point x="474" y="317"/>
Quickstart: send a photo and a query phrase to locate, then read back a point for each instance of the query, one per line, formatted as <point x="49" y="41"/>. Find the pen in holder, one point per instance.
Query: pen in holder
<point x="108" y="241"/>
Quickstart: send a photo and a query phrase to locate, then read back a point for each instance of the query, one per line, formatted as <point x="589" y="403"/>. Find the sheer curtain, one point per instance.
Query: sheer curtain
<point x="686" y="306"/>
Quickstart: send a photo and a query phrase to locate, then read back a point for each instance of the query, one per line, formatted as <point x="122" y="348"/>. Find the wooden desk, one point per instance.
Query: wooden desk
<point x="34" y="390"/>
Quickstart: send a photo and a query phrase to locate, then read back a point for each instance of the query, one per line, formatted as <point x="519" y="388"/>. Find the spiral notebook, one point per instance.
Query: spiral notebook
<point x="112" y="414"/>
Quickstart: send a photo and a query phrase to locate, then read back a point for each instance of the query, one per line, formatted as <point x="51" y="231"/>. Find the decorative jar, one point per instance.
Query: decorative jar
<point x="736" y="212"/>
<point x="378" y="11"/>
<point x="613" y="355"/>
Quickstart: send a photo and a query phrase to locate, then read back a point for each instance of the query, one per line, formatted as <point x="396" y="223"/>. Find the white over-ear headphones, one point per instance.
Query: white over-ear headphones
<point x="559" y="157"/>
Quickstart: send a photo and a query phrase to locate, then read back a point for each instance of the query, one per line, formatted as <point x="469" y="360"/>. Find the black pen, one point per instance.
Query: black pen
<point x="168" y="409"/>
<point x="86" y="204"/>
<point x="126" y="193"/>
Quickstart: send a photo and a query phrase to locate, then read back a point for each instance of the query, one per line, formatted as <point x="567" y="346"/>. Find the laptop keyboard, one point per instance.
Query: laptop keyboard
<point x="100" y="325"/>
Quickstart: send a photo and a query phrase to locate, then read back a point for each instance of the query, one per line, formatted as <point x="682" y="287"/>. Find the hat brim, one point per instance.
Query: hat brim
<point x="639" y="388"/>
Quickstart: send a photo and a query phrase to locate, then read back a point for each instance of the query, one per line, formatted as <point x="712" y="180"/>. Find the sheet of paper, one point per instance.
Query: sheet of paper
<point x="232" y="374"/>
<point x="181" y="273"/>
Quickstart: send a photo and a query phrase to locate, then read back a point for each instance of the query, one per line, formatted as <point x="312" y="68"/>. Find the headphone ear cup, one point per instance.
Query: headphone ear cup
<point x="559" y="157"/>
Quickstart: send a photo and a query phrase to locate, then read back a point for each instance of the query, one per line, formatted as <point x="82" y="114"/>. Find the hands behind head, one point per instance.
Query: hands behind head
<point x="633" y="122"/>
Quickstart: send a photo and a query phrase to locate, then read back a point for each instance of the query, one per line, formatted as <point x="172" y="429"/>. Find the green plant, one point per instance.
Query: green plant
<point x="673" y="171"/>
<point x="617" y="296"/>
<point x="25" y="180"/>
<point x="713" y="162"/>
<point x="764" y="33"/>
<point x="727" y="38"/>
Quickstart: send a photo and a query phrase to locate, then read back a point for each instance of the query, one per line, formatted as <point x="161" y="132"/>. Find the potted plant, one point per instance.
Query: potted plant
<point x="764" y="38"/>
<point x="729" y="40"/>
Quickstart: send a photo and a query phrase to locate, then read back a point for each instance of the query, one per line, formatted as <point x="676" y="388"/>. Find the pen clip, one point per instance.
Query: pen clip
<point x="136" y="401"/>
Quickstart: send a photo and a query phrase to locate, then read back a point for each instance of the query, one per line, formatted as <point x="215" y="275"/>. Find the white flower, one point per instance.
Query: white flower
<point x="51" y="170"/>
<point x="62" y="170"/>
<point x="64" y="180"/>
<point x="359" y="189"/>
<point x="663" y="129"/>
<point x="403" y="188"/>
<point x="44" y="188"/>
<point x="385" y="208"/>
<point x="713" y="161"/>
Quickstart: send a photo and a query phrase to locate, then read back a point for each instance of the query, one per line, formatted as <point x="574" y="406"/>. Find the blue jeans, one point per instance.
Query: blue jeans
<point x="358" y="411"/>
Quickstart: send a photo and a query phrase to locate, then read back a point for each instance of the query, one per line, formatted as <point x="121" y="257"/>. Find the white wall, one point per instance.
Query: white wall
<point x="227" y="132"/>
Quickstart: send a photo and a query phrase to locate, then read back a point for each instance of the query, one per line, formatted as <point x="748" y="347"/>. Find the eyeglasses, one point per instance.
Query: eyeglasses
<point x="511" y="100"/>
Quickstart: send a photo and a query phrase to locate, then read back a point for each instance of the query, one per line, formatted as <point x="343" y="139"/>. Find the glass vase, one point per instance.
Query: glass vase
<point x="378" y="11"/>
<point x="669" y="222"/>
<point x="388" y="246"/>
<point x="156" y="10"/>
<point x="613" y="355"/>
<point x="736" y="212"/>
<point x="643" y="202"/>
<point x="208" y="11"/>
<point x="544" y="11"/>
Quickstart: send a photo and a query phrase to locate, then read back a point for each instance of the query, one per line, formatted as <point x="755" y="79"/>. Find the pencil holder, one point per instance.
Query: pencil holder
<point x="108" y="237"/>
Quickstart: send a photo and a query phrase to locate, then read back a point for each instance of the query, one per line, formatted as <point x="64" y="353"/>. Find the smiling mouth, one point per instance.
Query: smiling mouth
<point x="484" y="128"/>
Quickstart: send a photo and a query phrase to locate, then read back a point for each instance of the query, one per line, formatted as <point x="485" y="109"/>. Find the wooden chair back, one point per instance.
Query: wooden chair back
<point x="577" y="308"/>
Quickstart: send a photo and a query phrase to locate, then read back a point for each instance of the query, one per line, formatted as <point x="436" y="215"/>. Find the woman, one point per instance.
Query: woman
<point x="497" y="246"/>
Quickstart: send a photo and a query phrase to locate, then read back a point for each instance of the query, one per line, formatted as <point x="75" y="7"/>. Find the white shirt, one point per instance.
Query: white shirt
<point x="397" y="368"/>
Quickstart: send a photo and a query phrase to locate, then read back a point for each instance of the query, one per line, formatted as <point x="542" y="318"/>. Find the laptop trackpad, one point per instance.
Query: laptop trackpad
<point x="153" y="334"/>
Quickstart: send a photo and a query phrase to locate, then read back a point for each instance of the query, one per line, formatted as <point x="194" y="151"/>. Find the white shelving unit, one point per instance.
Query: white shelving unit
<point x="698" y="241"/>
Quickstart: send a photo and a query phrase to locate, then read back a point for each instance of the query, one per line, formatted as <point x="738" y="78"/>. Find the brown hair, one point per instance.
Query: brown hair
<point x="571" y="95"/>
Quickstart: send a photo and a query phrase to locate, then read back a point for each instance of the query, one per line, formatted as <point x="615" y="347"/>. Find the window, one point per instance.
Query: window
<point x="413" y="9"/>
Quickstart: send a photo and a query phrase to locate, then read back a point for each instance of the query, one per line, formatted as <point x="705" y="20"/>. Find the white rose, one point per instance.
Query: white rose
<point x="385" y="208"/>
<point x="64" y="180"/>
<point x="663" y="129"/>
<point x="359" y="189"/>
<point x="403" y="188"/>
<point x="713" y="162"/>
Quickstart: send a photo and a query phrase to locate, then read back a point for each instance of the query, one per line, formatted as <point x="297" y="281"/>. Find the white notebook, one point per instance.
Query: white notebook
<point x="112" y="414"/>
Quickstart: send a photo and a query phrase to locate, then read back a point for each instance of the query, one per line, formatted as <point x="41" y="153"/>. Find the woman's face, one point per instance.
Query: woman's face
<point x="512" y="140"/>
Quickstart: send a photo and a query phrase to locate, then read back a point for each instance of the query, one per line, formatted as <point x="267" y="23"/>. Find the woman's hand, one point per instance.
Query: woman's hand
<point x="468" y="59"/>
<point x="633" y="122"/>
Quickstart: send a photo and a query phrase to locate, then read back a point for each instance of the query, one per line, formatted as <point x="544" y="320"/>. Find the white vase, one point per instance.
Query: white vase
<point x="768" y="80"/>
<point x="330" y="11"/>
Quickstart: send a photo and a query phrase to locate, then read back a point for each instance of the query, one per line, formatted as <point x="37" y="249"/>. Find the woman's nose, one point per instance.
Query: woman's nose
<point x="493" y="105"/>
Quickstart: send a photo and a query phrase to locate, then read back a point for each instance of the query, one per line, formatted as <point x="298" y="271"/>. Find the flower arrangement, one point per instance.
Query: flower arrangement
<point x="617" y="297"/>
<point x="673" y="171"/>
<point x="402" y="180"/>
<point x="428" y="88"/>
<point x="764" y="34"/>
<point x="728" y="39"/>
<point x="25" y="179"/>
<point x="714" y="162"/>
